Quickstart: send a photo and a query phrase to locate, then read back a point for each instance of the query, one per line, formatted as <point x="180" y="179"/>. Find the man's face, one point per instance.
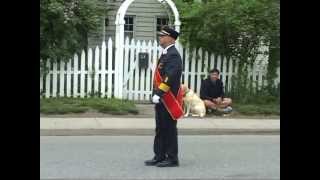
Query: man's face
<point x="164" y="40"/>
<point x="214" y="76"/>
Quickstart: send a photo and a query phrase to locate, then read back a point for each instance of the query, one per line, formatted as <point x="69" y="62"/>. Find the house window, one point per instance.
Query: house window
<point x="128" y="27"/>
<point x="106" y="22"/>
<point x="161" y="21"/>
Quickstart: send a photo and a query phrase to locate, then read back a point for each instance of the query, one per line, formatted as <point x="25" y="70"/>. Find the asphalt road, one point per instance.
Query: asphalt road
<point x="236" y="157"/>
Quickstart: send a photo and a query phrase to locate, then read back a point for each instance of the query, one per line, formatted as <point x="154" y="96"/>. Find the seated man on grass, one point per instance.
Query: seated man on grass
<point x="212" y="93"/>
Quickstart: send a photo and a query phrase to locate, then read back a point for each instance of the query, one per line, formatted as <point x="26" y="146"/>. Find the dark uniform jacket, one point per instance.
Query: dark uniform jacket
<point x="210" y="90"/>
<point x="170" y="68"/>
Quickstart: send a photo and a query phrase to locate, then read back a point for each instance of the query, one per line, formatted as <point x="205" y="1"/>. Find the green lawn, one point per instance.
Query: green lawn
<point x="257" y="109"/>
<point x="70" y="105"/>
<point x="125" y="107"/>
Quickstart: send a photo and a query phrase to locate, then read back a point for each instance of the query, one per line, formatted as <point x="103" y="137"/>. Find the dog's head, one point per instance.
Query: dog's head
<point x="184" y="89"/>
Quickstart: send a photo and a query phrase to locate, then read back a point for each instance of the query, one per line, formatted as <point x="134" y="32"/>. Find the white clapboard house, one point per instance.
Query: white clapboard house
<point x="142" y="19"/>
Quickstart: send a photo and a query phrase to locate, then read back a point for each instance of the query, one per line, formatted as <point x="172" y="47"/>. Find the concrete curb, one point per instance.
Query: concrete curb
<point x="146" y="126"/>
<point x="150" y="132"/>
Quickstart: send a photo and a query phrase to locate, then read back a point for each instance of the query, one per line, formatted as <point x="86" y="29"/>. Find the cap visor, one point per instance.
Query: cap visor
<point x="161" y="34"/>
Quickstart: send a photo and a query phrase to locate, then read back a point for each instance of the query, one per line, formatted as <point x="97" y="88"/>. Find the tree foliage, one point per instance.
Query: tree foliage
<point x="235" y="28"/>
<point x="65" y="24"/>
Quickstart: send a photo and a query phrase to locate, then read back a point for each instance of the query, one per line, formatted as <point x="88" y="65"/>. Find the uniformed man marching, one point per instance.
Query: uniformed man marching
<point x="167" y="97"/>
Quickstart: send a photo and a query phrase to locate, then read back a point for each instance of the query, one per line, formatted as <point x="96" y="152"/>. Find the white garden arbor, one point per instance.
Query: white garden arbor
<point x="119" y="43"/>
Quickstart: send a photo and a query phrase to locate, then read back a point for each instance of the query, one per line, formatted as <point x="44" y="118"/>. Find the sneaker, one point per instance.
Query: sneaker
<point x="227" y="109"/>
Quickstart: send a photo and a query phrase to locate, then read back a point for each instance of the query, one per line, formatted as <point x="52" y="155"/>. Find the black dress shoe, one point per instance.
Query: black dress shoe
<point x="168" y="163"/>
<point x="152" y="162"/>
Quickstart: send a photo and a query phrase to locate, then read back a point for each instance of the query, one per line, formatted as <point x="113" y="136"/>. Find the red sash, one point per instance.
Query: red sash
<point x="173" y="104"/>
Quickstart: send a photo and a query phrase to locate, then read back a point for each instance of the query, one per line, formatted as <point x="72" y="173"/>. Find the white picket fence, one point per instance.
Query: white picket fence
<point x="96" y="74"/>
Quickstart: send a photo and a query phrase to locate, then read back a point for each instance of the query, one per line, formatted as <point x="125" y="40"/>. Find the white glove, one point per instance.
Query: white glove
<point x="155" y="99"/>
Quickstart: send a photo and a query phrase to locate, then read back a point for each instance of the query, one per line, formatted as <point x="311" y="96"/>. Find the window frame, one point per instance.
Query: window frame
<point x="133" y="26"/>
<point x="156" y="25"/>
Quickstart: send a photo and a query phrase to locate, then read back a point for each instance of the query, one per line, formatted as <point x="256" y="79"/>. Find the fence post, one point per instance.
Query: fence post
<point x="142" y="75"/>
<point x="136" y="81"/>
<point x="82" y="73"/>
<point x="193" y="69"/>
<point x="219" y="63"/>
<point x="89" y="88"/>
<point x="41" y="85"/>
<point x="110" y="71"/>
<point x="69" y="78"/>
<point x="103" y="69"/>
<point x="48" y="79"/>
<point x="75" y="76"/>
<point x="230" y="74"/>
<point x="54" y="80"/>
<point x="96" y="69"/>
<point x="132" y="68"/>
<point x="62" y="78"/>
<point x="206" y="63"/>
<point x="186" y="67"/>
<point x="149" y="71"/>
<point x="212" y="61"/>
<point x="126" y="66"/>
<point x="199" y="72"/>
<point x="224" y="70"/>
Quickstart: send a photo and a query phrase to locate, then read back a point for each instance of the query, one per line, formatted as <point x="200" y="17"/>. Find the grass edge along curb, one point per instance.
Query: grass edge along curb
<point x="79" y="105"/>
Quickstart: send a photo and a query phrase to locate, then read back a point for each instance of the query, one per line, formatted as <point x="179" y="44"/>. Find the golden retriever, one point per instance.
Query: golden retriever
<point x="192" y="104"/>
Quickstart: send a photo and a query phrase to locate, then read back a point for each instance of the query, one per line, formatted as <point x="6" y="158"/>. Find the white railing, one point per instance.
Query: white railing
<point x="96" y="74"/>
